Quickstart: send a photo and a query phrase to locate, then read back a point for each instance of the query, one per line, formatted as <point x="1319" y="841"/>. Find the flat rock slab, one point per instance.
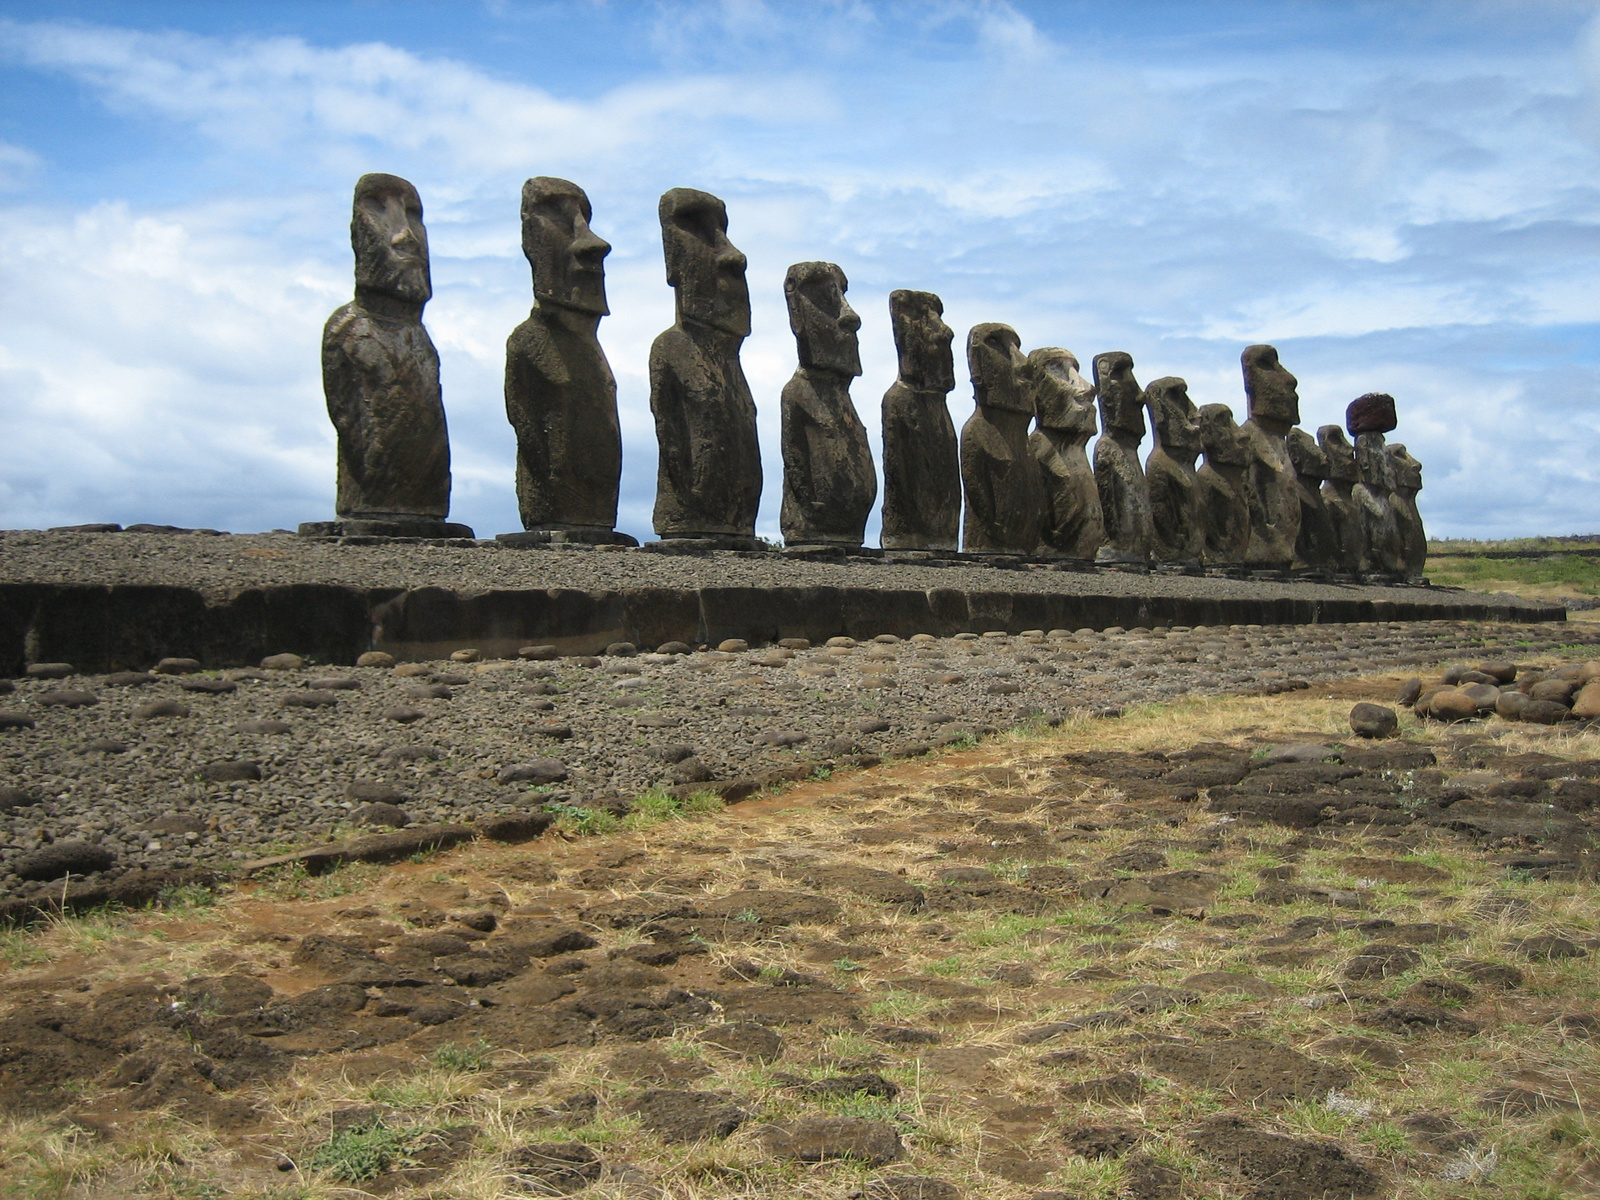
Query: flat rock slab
<point x="821" y="1139"/>
<point x="1250" y="1069"/>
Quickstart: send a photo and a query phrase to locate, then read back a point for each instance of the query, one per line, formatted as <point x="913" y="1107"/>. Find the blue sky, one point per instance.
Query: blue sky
<point x="1401" y="197"/>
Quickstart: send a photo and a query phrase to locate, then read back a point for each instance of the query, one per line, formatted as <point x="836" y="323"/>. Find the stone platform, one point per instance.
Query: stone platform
<point x="110" y="601"/>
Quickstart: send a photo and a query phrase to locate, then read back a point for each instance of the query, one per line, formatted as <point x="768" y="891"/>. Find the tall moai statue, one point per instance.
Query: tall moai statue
<point x="1274" y="406"/>
<point x="1063" y="402"/>
<point x="708" y="479"/>
<point x="828" y="482"/>
<point x="560" y="395"/>
<point x="1005" y="497"/>
<point x="1224" y="504"/>
<point x="921" y="456"/>
<point x="380" y="374"/>
<point x="1124" y="493"/>
<point x="1176" y="532"/>
<point x="1405" y="474"/>
<point x="1339" y="500"/>
<point x="1368" y="418"/>
<point x="1317" y="547"/>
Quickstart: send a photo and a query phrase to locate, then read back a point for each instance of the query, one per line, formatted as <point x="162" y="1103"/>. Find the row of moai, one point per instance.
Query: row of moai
<point x="1267" y="496"/>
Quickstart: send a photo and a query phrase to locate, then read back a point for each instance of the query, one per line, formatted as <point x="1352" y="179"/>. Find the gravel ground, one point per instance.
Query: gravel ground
<point x="105" y="771"/>
<point x="219" y="565"/>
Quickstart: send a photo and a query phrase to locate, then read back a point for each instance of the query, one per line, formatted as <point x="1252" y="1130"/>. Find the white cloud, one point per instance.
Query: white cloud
<point x="1386" y="222"/>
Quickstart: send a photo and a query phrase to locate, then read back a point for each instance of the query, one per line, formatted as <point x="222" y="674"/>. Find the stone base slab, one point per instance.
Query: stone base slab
<point x="566" y="537"/>
<point x="411" y="527"/>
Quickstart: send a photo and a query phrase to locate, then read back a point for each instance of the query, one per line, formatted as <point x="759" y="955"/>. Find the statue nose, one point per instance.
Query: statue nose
<point x="849" y="320"/>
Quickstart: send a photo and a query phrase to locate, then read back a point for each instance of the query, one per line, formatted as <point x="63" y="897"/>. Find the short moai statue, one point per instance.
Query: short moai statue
<point x="1224" y="505"/>
<point x="1405" y="474"/>
<point x="1317" y="547"/>
<point x="1005" y="497"/>
<point x="380" y="374"/>
<point x="1176" y="534"/>
<point x="1339" y="501"/>
<point x="708" y="478"/>
<point x="561" y="397"/>
<point x="1368" y="418"/>
<point x="828" y="482"/>
<point x="1063" y="402"/>
<point x="1124" y="492"/>
<point x="921" y="455"/>
<point x="1274" y="405"/>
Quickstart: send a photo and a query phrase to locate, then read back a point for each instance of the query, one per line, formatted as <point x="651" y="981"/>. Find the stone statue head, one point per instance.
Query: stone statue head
<point x="1062" y="398"/>
<point x="1220" y="436"/>
<point x="824" y="324"/>
<point x="568" y="260"/>
<point x="1121" y="399"/>
<point x="1340" y="454"/>
<point x="923" y="340"/>
<point x="705" y="268"/>
<point x="1177" y="425"/>
<point x="994" y="356"/>
<point x="1307" y="457"/>
<point x="1269" y="389"/>
<point x="389" y="239"/>
<point x="1372" y="462"/>
<point x="1405" y="471"/>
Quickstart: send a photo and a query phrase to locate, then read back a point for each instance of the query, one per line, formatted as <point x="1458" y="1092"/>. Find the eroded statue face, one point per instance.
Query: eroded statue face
<point x="707" y="269"/>
<point x="1220" y="437"/>
<point x="1173" y="414"/>
<point x="1062" y="398"/>
<point x="923" y="340"/>
<point x="824" y="324"/>
<point x="994" y="356"/>
<point x="389" y="239"/>
<point x="1339" y="453"/>
<point x="1404" y="471"/>
<point x="1372" y="462"/>
<point x="1269" y="389"/>
<point x="1121" y="398"/>
<point x="1308" y="459"/>
<point x="568" y="259"/>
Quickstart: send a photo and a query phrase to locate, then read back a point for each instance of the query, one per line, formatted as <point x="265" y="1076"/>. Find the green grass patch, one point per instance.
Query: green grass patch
<point x="362" y="1152"/>
<point x="1577" y="573"/>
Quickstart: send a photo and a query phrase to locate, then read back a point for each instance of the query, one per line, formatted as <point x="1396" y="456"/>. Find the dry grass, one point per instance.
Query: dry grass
<point x="976" y="1098"/>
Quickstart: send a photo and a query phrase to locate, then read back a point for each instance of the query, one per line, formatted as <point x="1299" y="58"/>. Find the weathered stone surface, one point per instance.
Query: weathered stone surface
<point x="1223" y="505"/>
<point x="380" y="371"/>
<point x="1124" y="494"/>
<point x="1274" y="407"/>
<point x="63" y="858"/>
<point x="1176" y="532"/>
<point x="1284" y="1168"/>
<point x="821" y="1139"/>
<point x="1339" y="500"/>
<point x="829" y="485"/>
<point x="1317" y="546"/>
<point x="1380" y="531"/>
<point x="921" y="455"/>
<point x="1373" y="720"/>
<point x="1063" y="402"/>
<point x="1372" y="413"/>
<point x="1405" y="476"/>
<point x="1004" y="493"/>
<point x="708" y="479"/>
<point x="561" y="398"/>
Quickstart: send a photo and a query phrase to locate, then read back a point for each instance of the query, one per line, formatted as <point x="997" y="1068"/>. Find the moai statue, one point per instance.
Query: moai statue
<point x="1368" y="418"/>
<point x="1124" y="493"/>
<point x="1176" y="534"/>
<point x="1274" y="407"/>
<point x="1317" y="547"/>
<point x="560" y="395"/>
<point x="828" y="482"/>
<point x="1005" y="497"/>
<point x="708" y="481"/>
<point x="1064" y="403"/>
<point x="1224" y="505"/>
<point x="921" y="456"/>
<point x="380" y="374"/>
<point x="1405" y="473"/>
<point x="1339" y="501"/>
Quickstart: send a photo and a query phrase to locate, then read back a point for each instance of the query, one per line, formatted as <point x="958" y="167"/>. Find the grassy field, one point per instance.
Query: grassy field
<point x="1552" y="578"/>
